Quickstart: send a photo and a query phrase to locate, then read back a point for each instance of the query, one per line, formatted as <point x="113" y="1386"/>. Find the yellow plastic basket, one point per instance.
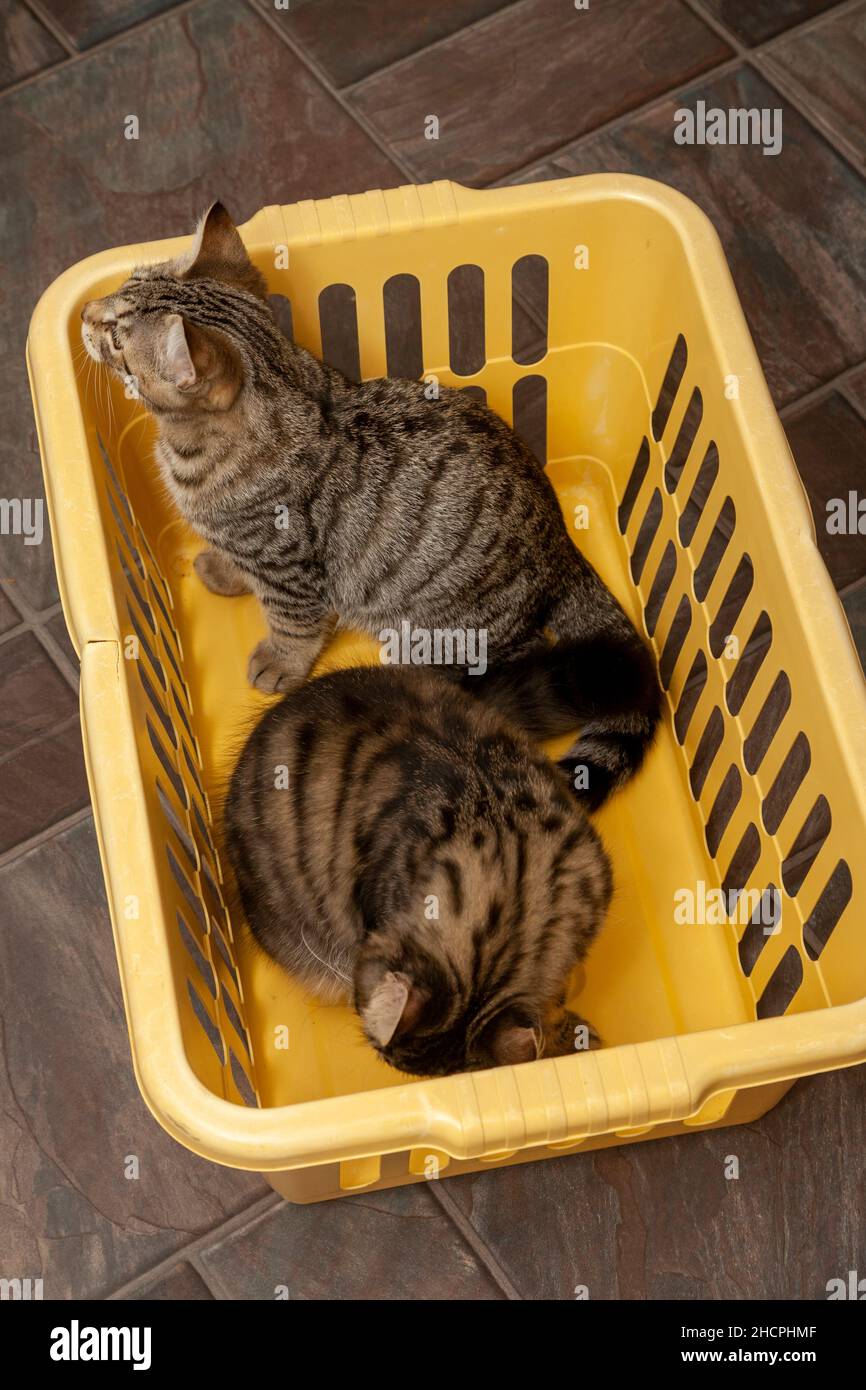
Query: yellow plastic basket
<point x="669" y="459"/>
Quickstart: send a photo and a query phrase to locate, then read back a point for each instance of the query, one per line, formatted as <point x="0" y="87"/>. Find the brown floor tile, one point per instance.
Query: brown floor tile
<point x="225" y="109"/>
<point x="86" y="22"/>
<point x="755" y="21"/>
<point x="57" y="627"/>
<point x="26" y="46"/>
<point x="70" y="1113"/>
<point x="9" y="615"/>
<point x="33" y="694"/>
<point x="537" y="75"/>
<point x="793" y="225"/>
<point x="349" y="39"/>
<point x="660" y="1220"/>
<point x="827" y="68"/>
<point x="43" y="783"/>
<point x="388" y="1246"/>
<point x="828" y="442"/>
<point x="855" y="608"/>
<point x="856" y="389"/>
<point x="181" y="1284"/>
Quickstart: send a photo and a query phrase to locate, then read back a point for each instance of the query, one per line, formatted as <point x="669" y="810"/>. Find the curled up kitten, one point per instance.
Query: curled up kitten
<point x="391" y="507"/>
<point x="424" y="862"/>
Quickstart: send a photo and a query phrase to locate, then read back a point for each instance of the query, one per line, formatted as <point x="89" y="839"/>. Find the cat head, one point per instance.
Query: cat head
<point x="185" y="332"/>
<point x="411" y="1017"/>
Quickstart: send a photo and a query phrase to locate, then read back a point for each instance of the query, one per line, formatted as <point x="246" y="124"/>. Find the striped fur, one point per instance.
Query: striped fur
<point x="423" y="861"/>
<point x="391" y="507"/>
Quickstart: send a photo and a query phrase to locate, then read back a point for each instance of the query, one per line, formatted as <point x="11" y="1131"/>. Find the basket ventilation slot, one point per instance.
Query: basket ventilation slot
<point x="688" y="557"/>
<point x="203" y="929"/>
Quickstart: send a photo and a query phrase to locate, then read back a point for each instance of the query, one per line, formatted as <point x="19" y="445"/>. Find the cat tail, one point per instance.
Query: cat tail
<point x="603" y="684"/>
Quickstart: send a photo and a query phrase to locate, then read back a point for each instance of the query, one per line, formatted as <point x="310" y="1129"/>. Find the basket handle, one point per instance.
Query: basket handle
<point x="563" y="1101"/>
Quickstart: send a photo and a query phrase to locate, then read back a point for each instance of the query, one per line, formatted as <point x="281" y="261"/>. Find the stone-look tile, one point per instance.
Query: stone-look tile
<point x="856" y="389"/>
<point x="58" y="630"/>
<point x="9" y="615"/>
<point x="755" y="21"/>
<point x="660" y="1219"/>
<point x="33" y="695"/>
<point x="539" y="74"/>
<point x="43" y="783"/>
<point x="855" y="608"/>
<point x="826" y="67"/>
<point x="86" y="22"/>
<point x="828" y="442"/>
<point x="70" y="1112"/>
<point x="349" y="39"/>
<point x="26" y="46"/>
<point x="225" y="109"/>
<point x="793" y="225"/>
<point x="181" y="1284"/>
<point x="394" y="1245"/>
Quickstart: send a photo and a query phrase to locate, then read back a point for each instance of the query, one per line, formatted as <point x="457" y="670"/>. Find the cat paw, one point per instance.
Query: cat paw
<point x="268" y="674"/>
<point x="218" y="574"/>
<point x="566" y="1033"/>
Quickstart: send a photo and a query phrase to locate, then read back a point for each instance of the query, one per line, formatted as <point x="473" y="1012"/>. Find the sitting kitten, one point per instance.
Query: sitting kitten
<point x="425" y="861"/>
<point x="369" y="503"/>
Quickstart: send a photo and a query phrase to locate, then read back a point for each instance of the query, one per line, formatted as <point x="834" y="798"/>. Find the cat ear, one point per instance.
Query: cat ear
<point x="218" y="253"/>
<point x="393" y="1007"/>
<point x="179" y="366"/>
<point x="512" y="1038"/>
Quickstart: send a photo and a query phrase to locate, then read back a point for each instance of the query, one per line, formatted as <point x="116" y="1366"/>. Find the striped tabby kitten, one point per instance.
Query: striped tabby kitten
<point x="369" y="504"/>
<point x="424" y="861"/>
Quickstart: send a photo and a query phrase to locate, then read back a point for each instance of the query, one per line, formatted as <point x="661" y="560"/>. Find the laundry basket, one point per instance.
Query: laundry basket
<point x="596" y="314"/>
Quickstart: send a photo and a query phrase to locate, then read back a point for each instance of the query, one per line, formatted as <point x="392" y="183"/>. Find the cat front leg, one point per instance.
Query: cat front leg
<point x="286" y="656"/>
<point x="219" y="573"/>
<point x="565" y="1032"/>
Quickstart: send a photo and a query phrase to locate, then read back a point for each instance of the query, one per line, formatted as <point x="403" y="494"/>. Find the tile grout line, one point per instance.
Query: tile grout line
<point x="741" y="56"/>
<point x="28" y="613"/>
<point x="482" y="22"/>
<point x="59" y="727"/>
<point x="762" y="59"/>
<point x="719" y="29"/>
<point x="321" y="77"/>
<point x="814" y="21"/>
<point x="10" y="856"/>
<point x="48" y="643"/>
<point x="854" y="401"/>
<point x="796" y="95"/>
<point x="336" y="94"/>
<point x="48" y="22"/>
<point x="477" y="1244"/>
<point x="818" y="393"/>
<point x="635" y="112"/>
<point x="82" y="53"/>
<point x="190" y="1252"/>
<point x="56" y="654"/>
<point x="848" y="590"/>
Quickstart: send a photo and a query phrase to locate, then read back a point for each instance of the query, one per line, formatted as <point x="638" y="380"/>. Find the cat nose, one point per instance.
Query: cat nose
<point x="96" y="312"/>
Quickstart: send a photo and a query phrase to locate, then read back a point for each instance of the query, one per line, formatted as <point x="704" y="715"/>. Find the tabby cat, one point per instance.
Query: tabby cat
<point x="399" y="844"/>
<point x="369" y="503"/>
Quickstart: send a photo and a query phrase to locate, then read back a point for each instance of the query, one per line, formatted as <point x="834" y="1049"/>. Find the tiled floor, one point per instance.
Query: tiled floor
<point x="259" y="103"/>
